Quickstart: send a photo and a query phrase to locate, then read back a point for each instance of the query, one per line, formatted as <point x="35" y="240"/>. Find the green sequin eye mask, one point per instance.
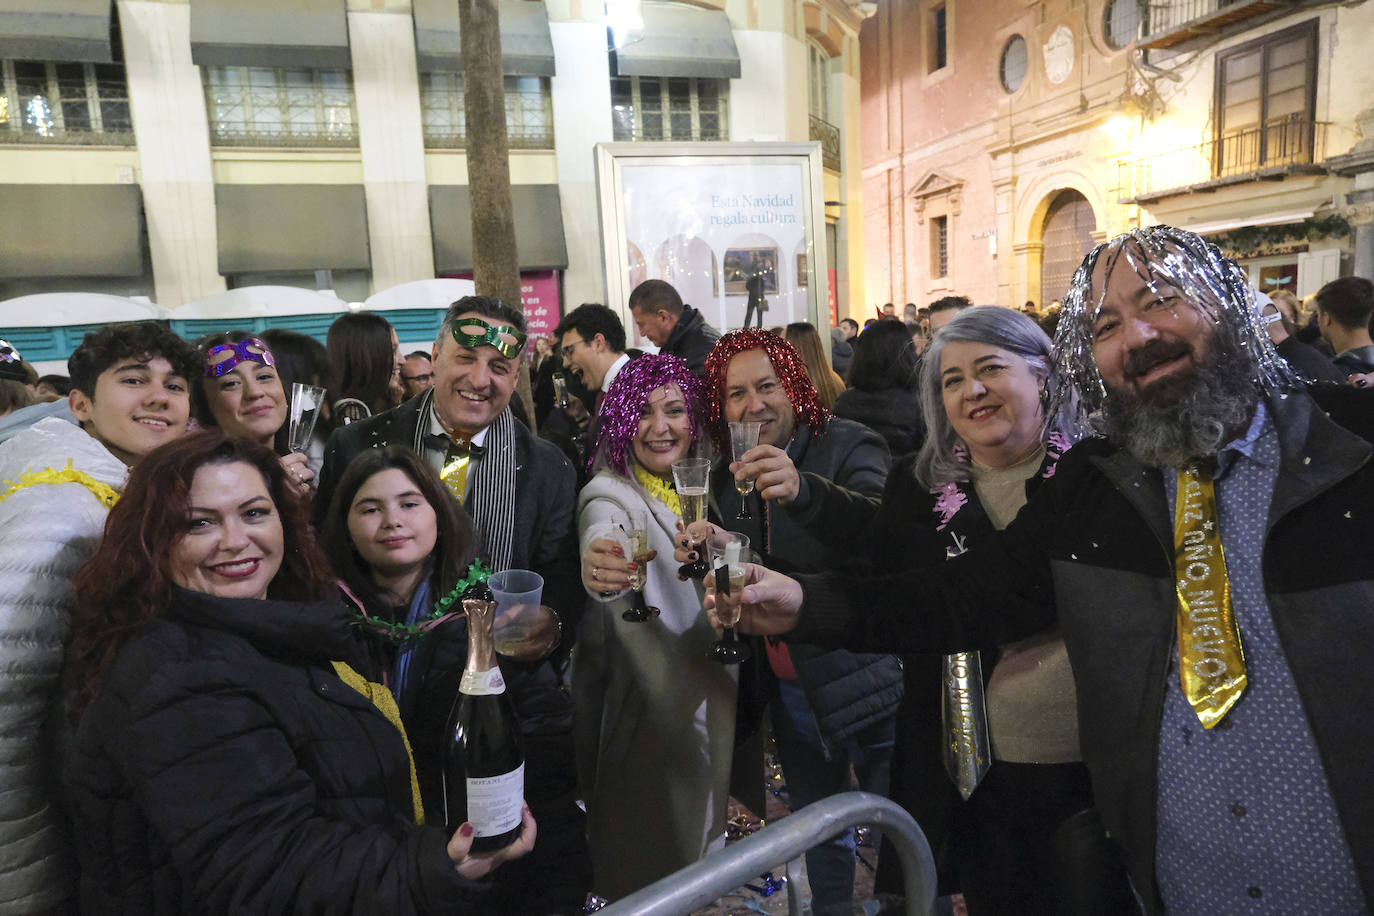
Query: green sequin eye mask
<point x="474" y="332"/>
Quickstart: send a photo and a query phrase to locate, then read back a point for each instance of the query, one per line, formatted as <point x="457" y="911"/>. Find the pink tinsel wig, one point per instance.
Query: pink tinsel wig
<point x="624" y="404"/>
<point x="787" y="363"/>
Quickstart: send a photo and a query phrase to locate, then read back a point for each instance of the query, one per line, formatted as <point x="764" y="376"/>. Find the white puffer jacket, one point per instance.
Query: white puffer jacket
<point x="49" y="526"/>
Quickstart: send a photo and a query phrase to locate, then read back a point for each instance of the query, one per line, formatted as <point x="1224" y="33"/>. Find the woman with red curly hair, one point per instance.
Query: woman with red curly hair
<point x="231" y="754"/>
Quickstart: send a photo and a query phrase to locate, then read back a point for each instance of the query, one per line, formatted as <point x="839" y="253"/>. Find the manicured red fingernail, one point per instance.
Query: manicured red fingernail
<point x="466" y="831"/>
<point x="617" y="551"/>
<point x="634" y="566"/>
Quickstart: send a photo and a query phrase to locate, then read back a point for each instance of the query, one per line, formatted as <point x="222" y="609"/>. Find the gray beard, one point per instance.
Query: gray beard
<point x="1160" y="430"/>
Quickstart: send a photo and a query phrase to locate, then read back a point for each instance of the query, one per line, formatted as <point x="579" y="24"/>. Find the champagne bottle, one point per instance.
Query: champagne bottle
<point x="483" y="760"/>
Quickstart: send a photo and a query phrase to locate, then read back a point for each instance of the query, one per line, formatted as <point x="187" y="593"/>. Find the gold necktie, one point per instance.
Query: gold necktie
<point x="1211" y="663"/>
<point x="455" y="471"/>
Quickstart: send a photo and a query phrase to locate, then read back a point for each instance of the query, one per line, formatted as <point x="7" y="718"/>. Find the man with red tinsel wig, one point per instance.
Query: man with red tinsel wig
<point x="831" y="709"/>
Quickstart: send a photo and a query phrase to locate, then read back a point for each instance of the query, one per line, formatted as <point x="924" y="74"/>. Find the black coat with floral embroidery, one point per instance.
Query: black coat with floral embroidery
<point x="913" y="526"/>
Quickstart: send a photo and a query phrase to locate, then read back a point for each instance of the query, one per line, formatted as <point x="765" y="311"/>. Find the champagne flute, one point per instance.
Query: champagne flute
<point x="691" y="478"/>
<point x="729" y="551"/>
<point x="560" y="391"/>
<point x="306" y="401"/>
<point x="744" y="435"/>
<point x="634" y="528"/>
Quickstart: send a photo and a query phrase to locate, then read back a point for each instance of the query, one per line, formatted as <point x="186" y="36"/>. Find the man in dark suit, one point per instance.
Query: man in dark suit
<point x="519" y="491"/>
<point x="590" y="341"/>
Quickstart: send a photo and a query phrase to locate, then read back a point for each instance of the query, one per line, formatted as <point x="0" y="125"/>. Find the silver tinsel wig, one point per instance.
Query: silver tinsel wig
<point x="1210" y="283"/>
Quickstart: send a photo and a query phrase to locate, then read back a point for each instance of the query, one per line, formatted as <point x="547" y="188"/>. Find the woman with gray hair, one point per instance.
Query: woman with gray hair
<point x="987" y="757"/>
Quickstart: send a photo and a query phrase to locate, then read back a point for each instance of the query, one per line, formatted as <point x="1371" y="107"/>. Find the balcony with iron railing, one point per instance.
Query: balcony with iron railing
<point x="682" y="133"/>
<point x="529" y="114"/>
<point x="310" y="135"/>
<point x="14" y="133"/>
<point x="524" y="136"/>
<point x="1290" y="146"/>
<point x="829" y="136"/>
<point x="1171" y="22"/>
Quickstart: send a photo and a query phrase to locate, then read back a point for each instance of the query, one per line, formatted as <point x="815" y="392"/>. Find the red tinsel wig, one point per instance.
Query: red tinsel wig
<point x="787" y="363"/>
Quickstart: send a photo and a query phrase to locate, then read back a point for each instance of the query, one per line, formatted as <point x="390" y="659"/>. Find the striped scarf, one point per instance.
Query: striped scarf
<point x="491" y="486"/>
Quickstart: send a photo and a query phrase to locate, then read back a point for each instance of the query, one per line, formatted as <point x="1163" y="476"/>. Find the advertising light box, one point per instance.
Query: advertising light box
<point x="709" y="218"/>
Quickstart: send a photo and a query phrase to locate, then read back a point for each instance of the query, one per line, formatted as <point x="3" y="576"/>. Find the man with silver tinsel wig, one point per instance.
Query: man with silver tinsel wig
<point x="1207" y="558"/>
<point x="1175" y="304"/>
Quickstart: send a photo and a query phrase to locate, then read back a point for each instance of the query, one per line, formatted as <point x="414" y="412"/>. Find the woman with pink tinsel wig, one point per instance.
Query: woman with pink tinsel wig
<point x="654" y="718"/>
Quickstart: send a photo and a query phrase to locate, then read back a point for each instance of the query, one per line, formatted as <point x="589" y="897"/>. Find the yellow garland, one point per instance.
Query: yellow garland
<point x="107" y="494"/>
<point x="659" y="489"/>
<point x="386" y="705"/>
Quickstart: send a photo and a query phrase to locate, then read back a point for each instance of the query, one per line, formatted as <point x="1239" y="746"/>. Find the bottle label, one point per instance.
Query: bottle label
<point x="495" y="802"/>
<point x="482" y="683"/>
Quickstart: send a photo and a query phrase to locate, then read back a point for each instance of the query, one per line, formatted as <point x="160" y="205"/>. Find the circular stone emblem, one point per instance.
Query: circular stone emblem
<point x="1059" y="55"/>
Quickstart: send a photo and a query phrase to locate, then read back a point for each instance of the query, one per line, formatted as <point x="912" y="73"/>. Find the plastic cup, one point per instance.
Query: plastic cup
<point x="516" y="587"/>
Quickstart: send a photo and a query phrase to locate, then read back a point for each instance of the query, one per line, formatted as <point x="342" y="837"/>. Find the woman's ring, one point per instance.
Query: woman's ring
<point x="595" y="571"/>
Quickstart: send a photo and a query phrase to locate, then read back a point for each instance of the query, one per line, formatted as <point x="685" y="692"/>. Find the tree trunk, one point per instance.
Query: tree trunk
<point x="495" y="264"/>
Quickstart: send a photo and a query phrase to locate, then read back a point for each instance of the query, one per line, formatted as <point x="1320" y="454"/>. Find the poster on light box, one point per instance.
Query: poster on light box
<point x="708" y="217"/>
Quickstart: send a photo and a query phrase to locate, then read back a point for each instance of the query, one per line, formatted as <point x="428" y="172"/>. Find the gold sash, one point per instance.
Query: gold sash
<point x="968" y="748"/>
<point x="1211" y="664"/>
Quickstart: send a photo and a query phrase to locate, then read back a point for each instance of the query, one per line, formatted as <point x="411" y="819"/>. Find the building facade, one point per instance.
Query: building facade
<point x="173" y="149"/>
<point x="1003" y="138"/>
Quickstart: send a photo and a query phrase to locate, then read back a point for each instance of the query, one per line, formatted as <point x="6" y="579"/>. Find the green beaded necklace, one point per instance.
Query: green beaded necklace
<point x="401" y="633"/>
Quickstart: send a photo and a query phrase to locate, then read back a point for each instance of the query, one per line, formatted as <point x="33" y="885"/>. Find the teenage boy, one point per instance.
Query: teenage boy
<point x="57" y="484"/>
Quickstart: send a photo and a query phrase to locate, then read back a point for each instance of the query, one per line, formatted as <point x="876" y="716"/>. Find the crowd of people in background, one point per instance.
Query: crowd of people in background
<point x="228" y="661"/>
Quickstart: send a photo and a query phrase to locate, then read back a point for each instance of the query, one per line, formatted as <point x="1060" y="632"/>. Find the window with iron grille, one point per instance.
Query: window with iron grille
<point x="939" y="246"/>
<point x="1013" y="66"/>
<point x="45" y="102"/>
<point x="669" y="108"/>
<point x="819" y="80"/>
<point x="264" y="106"/>
<point x="1121" y="21"/>
<point x="1266" y="95"/>
<point x="529" y="111"/>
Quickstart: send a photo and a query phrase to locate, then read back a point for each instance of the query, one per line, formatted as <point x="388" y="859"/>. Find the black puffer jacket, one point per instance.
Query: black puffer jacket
<point x="847" y="692"/>
<point x="225" y="767"/>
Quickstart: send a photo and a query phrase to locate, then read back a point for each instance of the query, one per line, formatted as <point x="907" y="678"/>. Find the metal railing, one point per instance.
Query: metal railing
<point x="829" y="136"/>
<point x="68" y="137"/>
<point x="1168" y="22"/>
<point x="1290" y="144"/>
<point x="457" y="137"/>
<point x="721" y="872"/>
<point x="693" y="134"/>
<point x="247" y="133"/>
